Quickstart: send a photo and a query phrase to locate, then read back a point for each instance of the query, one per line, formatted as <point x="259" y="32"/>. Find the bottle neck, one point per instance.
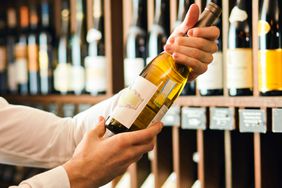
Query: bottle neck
<point x="242" y="4"/>
<point x="98" y="12"/>
<point x="79" y="16"/>
<point x="65" y="17"/>
<point x="24" y="15"/>
<point x="139" y="9"/>
<point x="183" y="7"/>
<point x="160" y="10"/>
<point x="33" y="17"/>
<point x="45" y="14"/>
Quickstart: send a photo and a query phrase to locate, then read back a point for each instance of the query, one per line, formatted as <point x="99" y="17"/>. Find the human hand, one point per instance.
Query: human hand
<point x="196" y="50"/>
<point x="98" y="160"/>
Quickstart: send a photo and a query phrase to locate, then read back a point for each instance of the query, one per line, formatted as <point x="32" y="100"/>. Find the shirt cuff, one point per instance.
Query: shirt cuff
<point x="54" y="178"/>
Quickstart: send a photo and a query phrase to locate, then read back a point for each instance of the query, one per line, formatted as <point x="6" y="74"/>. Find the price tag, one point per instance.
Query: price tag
<point x="277" y="120"/>
<point x="222" y="118"/>
<point x="194" y="118"/>
<point x="172" y="117"/>
<point x="251" y="120"/>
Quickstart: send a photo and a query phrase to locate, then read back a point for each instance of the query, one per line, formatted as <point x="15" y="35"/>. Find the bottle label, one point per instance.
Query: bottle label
<point x="43" y="63"/>
<point x="238" y="15"/>
<point x="96" y="74"/>
<point x="32" y="58"/>
<point x="3" y="58"/>
<point x="133" y="100"/>
<point x="132" y="68"/>
<point x="12" y="79"/>
<point x="263" y="27"/>
<point x="160" y="114"/>
<point x="61" y="77"/>
<point x="270" y="70"/>
<point x="21" y="69"/>
<point x="239" y="68"/>
<point x="213" y="78"/>
<point x="77" y="78"/>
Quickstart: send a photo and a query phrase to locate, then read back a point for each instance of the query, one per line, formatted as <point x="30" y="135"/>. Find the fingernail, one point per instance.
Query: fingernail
<point x="101" y="118"/>
<point x="190" y="32"/>
<point x="174" y="55"/>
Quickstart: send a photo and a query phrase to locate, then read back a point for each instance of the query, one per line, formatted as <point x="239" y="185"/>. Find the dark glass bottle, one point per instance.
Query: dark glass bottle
<point x="239" y="69"/>
<point x="183" y="6"/>
<point x="32" y="48"/>
<point x="211" y="82"/>
<point x="3" y="54"/>
<point x="45" y="48"/>
<point x="135" y="50"/>
<point x="270" y="48"/>
<point x="95" y="62"/>
<point x="159" y="30"/>
<point x="62" y="71"/>
<point x="11" y="42"/>
<point x="20" y="50"/>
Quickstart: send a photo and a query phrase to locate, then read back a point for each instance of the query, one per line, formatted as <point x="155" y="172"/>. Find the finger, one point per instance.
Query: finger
<point x="100" y="129"/>
<point x="192" y="76"/>
<point x="195" y="64"/>
<point x="190" y="20"/>
<point x="195" y="42"/>
<point x="195" y="53"/>
<point x="143" y="136"/>
<point x="210" y="33"/>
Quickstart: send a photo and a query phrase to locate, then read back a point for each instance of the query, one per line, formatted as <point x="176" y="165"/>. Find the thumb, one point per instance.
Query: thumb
<point x="190" y="20"/>
<point x="100" y="128"/>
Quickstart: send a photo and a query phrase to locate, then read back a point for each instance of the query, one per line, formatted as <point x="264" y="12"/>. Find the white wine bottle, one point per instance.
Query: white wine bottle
<point x="156" y="88"/>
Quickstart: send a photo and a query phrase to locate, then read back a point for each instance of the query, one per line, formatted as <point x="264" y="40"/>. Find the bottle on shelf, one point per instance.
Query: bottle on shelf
<point x="270" y="48"/>
<point x="183" y="7"/>
<point x="211" y="82"/>
<point x="46" y="48"/>
<point x="159" y="31"/>
<point x="62" y="70"/>
<point x="20" y="50"/>
<point x="135" y="50"/>
<point x="32" y="48"/>
<point x="154" y="91"/>
<point x="77" y="47"/>
<point x="239" y="69"/>
<point x="11" y="15"/>
<point x="95" y="62"/>
<point x="3" y="54"/>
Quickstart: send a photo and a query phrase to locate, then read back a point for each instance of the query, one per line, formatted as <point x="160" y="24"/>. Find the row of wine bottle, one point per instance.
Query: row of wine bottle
<point x="238" y="58"/>
<point x="35" y="59"/>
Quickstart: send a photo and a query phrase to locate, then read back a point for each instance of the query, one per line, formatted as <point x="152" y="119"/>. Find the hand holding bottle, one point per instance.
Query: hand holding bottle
<point x="100" y="160"/>
<point x="196" y="50"/>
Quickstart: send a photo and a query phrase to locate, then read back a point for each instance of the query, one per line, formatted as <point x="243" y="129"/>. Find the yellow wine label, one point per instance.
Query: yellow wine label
<point x="239" y="68"/>
<point x="270" y="70"/>
<point x="263" y="27"/>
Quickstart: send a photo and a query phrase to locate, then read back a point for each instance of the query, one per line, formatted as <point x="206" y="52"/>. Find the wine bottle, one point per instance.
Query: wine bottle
<point x="159" y="31"/>
<point x="3" y="54"/>
<point x="135" y="50"/>
<point x="154" y="91"/>
<point x="45" y="48"/>
<point x="76" y="45"/>
<point x="211" y="82"/>
<point x="183" y="6"/>
<point x="239" y="69"/>
<point x="33" y="65"/>
<point x="270" y="48"/>
<point x="95" y="62"/>
<point x="62" y="71"/>
<point x="11" y="42"/>
<point x="20" y="50"/>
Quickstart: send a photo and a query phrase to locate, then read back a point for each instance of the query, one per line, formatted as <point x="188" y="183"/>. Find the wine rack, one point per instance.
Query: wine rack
<point x="218" y="157"/>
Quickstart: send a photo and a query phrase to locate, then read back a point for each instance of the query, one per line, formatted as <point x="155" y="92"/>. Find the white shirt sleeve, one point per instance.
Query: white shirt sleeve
<point x="31" y="137"/>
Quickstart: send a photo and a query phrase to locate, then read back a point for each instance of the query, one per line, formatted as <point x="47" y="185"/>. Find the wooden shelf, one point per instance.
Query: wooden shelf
<point x="58" y="99"/>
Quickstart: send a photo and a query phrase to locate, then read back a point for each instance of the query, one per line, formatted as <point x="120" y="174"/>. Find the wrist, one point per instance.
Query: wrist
<point x="77" y="175"/>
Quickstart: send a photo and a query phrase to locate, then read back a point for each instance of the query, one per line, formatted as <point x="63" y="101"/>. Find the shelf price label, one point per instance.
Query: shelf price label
<point x="277" y="120"/>
<point x="194" y="118"/>
<point x="252" y="120"/>
<point x="172" y="117"/>
<point x="222" y="118"/>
